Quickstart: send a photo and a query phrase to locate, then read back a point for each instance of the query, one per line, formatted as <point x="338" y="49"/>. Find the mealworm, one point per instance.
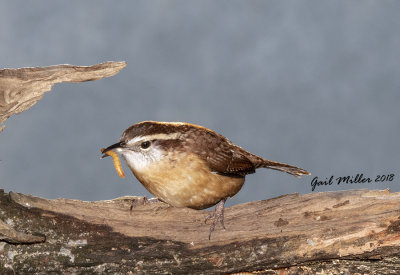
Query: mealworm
<point x="117" y="162"/>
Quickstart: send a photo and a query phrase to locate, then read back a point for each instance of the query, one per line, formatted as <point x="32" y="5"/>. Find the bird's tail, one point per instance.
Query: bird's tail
<point x="293" y="170"/>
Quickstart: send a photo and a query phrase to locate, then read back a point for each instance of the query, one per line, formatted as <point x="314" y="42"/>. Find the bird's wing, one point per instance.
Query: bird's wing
<point x="223" y="157"/>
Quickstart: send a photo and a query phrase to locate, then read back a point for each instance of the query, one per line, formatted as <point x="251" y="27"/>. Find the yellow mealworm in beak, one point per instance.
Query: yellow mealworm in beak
<point x="117" y="162"/>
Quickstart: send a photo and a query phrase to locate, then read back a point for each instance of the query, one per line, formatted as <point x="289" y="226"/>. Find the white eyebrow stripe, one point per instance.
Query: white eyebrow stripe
<point x="153" y="137"/>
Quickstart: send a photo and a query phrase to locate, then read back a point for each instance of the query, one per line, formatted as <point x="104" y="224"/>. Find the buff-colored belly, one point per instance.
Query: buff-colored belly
<point x="186" y="181"/>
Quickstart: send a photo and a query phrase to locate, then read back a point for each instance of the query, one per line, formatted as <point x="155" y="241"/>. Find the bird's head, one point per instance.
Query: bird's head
<point x="147" y="142"/>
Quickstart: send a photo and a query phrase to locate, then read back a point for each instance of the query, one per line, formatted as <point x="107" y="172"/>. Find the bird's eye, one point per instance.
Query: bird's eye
<point x="145" y="144"/>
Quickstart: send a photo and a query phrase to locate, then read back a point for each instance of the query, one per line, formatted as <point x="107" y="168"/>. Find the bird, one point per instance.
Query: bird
<point x="187" y="165"/>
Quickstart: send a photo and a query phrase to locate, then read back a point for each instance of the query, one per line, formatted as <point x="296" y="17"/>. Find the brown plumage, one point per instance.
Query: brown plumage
<point x="187" y="165"/>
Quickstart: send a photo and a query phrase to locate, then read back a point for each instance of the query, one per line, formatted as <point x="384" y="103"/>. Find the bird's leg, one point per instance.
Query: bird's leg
<point x="218" y="214"/>
<point x="143" y="201"/>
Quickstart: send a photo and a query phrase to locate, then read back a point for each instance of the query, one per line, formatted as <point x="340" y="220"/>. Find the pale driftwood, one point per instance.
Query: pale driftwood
<point x="355" y="231"/>
<point x="21" y="88"/>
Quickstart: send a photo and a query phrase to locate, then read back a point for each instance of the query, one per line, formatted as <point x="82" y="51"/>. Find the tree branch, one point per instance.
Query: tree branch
<point x="310" y="232"/>
<point x="21" y="88"/>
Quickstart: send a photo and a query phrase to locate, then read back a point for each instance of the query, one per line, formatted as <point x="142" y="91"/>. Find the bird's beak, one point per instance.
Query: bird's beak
<point x="112" y="147"/>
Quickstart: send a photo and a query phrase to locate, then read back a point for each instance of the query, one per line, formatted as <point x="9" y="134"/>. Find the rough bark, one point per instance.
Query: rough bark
<point x="21" y="88"/>
<point x="346" y="231"/>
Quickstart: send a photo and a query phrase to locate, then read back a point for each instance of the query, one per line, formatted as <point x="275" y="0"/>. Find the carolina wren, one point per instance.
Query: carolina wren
<point x="187" y="165"/>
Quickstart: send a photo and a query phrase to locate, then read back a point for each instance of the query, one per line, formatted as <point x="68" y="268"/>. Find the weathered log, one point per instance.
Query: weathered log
<point x="348" y="231"/>
<point x="21" y="88"/>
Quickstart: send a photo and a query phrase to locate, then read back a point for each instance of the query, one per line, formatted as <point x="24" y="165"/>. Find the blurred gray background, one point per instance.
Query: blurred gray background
<point x="310" y="83"/>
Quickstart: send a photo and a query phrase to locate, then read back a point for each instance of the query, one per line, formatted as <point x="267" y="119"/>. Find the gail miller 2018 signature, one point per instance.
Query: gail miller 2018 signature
<point x="359" y="178"/>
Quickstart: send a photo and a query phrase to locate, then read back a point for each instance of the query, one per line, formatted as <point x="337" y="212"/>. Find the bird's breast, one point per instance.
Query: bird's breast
<point x="184" y="180"/>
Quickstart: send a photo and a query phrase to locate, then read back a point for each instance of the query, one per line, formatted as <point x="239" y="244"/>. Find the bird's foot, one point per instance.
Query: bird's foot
<point x="143" y="201"/>
<point x="217" y="215"/>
